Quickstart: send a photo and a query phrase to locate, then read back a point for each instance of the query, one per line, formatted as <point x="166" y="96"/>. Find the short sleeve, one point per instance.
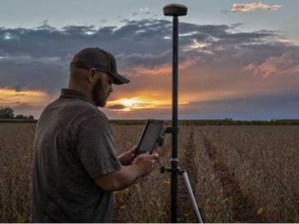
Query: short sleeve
<point x="96" y="148"/>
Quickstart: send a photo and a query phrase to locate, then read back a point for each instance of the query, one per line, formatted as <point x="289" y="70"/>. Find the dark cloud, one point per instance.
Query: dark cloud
<point x="30" y="74"/>
<point x="116" y="107"/>
<point x="23" y="106"/>
<point x="25" y="109"/>
<point x="18" y="88"/>
<point x="264" y="107"/>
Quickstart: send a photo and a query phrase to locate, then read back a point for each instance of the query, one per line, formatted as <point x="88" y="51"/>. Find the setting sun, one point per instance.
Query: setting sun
<point x="129" y="102"/>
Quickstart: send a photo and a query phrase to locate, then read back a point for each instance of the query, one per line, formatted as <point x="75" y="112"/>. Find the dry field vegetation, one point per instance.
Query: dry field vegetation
<point x="238" y="174"/>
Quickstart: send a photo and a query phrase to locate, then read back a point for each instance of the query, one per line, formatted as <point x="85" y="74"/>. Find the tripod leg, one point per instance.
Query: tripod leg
<point x="189" y="188"/>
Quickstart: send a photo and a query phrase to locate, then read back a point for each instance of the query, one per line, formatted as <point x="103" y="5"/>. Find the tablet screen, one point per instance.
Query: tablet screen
<point x="150" y="136"/>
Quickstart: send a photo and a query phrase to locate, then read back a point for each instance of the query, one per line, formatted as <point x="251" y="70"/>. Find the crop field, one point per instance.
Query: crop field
<point x="238" y="174"/>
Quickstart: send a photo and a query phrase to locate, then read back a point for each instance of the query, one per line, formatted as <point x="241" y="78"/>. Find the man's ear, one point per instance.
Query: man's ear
<point x="91" y="75"/>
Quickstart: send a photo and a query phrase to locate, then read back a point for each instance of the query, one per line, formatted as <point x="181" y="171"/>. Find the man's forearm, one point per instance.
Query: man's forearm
<point x="119" y="180"/>
<point x="126" y="177"/>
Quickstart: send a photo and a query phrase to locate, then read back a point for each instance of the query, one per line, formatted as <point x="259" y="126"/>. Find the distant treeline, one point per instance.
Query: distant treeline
<point x="8" y="113"/>
<point x="242" y="122"/>
<point x="17" y="121"/>
<point x="227" y="121"/>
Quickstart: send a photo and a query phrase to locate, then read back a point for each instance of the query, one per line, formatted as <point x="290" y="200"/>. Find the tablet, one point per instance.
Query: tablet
<point x="150" y="135"/>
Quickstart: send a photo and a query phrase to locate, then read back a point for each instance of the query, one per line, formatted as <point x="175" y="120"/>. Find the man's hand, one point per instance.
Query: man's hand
<point x="146" y="162"/>
<point x="143" y="165"/>
<point x="128" y="157"/>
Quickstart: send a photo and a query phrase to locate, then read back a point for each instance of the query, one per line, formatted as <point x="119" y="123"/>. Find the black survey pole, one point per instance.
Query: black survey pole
<point x="174" y="10"/>
<point x="174" y="160"/>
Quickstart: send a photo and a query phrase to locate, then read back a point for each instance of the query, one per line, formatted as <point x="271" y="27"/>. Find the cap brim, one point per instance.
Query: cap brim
<point x="119" y="79"/>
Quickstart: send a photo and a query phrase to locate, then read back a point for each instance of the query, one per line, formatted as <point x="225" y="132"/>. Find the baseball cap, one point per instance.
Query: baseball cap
<point x="100" y="60"/>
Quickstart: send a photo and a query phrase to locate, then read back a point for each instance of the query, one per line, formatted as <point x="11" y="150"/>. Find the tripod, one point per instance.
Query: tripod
<point x="177" y="10"/>
<point x="190" y="191"/>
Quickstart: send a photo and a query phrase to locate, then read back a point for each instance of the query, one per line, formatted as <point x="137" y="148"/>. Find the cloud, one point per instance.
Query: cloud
<point x="286" y="41"/>
<point x="116" y="107"/>
<point x="164" y="69"/>
<point x="268" y="106"/>
<point x="142" y="11"/>
<point x="215" y="61"/>
<point x="21" y="94"/>
<point x="23" y="106"/>
<point x="145" y="10"/>
<point x="286" y="64"/>
<point x="249" y="7"/>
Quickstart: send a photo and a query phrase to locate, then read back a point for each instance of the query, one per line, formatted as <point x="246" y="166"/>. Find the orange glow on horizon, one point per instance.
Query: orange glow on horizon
<point x="9" y="97"/>
<point x="148" y="100"/>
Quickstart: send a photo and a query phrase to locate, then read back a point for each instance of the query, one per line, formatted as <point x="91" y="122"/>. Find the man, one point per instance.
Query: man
<point x="76" y="167"/>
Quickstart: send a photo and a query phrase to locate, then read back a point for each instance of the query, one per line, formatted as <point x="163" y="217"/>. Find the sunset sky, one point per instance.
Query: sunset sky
<point x="237" y="59"/>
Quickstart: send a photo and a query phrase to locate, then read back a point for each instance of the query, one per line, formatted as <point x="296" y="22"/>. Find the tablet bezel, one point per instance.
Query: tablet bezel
<point x="162" y="122"/>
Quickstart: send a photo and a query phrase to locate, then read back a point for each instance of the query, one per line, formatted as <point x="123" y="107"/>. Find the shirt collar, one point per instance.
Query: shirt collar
<point x="70" y="93"/>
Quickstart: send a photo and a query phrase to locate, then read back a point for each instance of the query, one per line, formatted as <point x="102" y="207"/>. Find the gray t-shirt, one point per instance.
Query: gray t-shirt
<point x="73" y="145"/>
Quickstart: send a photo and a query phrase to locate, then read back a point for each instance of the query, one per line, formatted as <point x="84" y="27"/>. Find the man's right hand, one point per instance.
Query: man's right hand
<point x="146" y="163"/>
<point x="127" y="175"/>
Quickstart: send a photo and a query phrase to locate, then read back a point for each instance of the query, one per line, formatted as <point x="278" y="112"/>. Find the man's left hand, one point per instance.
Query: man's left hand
<point x="128" y="157"/>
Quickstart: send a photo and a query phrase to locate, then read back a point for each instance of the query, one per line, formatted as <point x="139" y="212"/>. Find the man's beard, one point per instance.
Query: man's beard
<point x="99" y="99"/>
